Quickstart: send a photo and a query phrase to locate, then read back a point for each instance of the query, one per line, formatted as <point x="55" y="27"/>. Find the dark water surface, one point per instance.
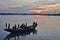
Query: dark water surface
<point x="48" y="27"/>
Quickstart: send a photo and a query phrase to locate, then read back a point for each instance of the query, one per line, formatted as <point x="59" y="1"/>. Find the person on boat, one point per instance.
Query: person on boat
<point x="22" y="26"/>
<point x="9" y="26"/>
<point x="15" y="26"/>
<point x="26" y="24"/>
<point x="34" y="23"/>
<point x="18" y="25"/>
<point x="6" y="25"/>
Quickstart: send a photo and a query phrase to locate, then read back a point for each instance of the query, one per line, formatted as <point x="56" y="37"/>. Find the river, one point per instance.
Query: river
<point x="48" y="27"/>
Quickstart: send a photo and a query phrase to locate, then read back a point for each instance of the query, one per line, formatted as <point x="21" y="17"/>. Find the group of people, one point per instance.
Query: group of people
<point x="20" y="26"/>
<point x="14" y="27"/>
<point x="7" y="25"/>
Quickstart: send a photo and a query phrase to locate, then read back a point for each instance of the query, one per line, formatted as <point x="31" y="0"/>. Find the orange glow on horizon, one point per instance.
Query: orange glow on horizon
<point x="45" y="8"/>
<point x="39" y="11"/>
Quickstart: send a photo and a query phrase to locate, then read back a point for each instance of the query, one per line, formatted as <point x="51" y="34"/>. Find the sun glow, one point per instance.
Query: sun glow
<point x="39" y="11"/>
<point x="45" y="8"/>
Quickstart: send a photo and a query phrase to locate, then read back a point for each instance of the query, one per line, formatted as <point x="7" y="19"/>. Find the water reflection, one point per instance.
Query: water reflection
<point x="17" y="36"/>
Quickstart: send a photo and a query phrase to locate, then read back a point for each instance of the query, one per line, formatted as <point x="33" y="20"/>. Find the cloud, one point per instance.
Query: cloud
<point x="14" y="6"/>
<point x="45" y="8"/>
<point x="39" y="5"/>
<point x="24" y="0"/>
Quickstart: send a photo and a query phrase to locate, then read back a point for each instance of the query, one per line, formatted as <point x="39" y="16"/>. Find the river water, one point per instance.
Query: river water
<point x="48" y="27"/>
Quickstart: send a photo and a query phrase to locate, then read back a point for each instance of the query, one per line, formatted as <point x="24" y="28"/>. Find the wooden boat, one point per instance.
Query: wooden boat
<point x="20" y="35"/>
<point x="22" y="28"/>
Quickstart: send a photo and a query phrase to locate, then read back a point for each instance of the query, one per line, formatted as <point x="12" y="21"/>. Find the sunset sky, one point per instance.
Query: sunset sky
<point x="37" y="6"/>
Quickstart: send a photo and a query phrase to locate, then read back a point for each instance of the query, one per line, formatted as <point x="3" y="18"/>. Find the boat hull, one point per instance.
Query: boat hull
<point x="15" y="31"/>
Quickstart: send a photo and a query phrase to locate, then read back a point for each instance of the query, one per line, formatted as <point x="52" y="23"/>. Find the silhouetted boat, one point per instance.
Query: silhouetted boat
<point x="23" y="29"/>
<point x="19" y="35"/>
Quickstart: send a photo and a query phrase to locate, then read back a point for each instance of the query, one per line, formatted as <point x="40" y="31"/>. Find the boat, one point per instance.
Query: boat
<point x="19" y="35"/>
<point x="22" y="28"/>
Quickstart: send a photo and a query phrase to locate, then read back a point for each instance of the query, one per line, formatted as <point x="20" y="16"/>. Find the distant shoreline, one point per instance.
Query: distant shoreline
<point x="29" y="14"/>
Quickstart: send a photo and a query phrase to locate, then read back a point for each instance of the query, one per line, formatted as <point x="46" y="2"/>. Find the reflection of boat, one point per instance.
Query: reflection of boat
<point x="23" y="28"/>
<point x="19" y="35"/>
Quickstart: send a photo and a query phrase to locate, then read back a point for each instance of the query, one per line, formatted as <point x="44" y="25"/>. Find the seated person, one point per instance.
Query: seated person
<point x="23" y="26"/>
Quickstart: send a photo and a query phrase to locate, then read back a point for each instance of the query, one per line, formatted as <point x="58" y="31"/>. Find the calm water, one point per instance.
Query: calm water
<point x="48" y="27"/>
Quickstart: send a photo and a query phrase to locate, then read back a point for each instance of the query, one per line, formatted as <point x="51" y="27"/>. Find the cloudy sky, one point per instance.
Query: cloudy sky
<point x="38" y="6"/>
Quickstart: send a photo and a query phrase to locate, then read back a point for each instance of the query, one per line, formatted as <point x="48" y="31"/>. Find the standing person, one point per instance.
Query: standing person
<point x="18" y="25"/>
<point x="15" y="26"/>
<point x="9" y="26"/>
<point x="26" y="23"/>
<point x="6" y="25"/>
